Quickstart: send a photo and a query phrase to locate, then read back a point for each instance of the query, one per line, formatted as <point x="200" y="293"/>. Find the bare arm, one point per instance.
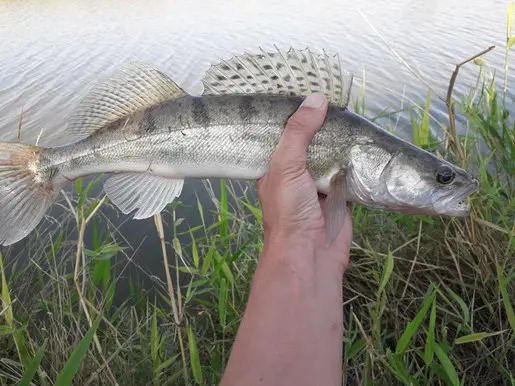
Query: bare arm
<point x="291" y="332"/>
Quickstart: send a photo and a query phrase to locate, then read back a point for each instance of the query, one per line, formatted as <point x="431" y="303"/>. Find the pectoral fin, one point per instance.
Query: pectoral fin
<point x="335" y="207"/>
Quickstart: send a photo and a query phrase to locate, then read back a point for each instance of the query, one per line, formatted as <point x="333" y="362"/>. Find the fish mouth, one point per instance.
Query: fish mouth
<point x="457" y="205"/>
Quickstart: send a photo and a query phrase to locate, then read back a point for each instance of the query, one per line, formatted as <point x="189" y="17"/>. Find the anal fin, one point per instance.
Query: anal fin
<point x="335" y="207"/>
<point x="147" y="193"/>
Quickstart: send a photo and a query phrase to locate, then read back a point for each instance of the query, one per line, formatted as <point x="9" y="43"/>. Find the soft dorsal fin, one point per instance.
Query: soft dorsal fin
<point x="133" y="87"/>
<point x="292" y="72"/>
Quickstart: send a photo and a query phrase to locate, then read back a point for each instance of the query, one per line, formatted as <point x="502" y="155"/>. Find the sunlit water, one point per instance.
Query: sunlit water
<point x="51" y="52"/>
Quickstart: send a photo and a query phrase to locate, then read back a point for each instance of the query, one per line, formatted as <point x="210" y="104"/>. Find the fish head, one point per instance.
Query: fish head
<point x="413" y="181"/>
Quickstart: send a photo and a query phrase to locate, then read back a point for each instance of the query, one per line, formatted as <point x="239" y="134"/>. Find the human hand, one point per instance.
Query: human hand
<point x="291" y="331"/>
<point x="293" y="211"/>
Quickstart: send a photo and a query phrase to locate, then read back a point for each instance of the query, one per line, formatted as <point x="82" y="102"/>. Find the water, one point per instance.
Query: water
<point x="52" y="51"/>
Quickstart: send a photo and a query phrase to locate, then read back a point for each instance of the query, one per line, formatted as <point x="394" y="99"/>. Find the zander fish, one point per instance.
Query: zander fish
<point x="140" y="125"/>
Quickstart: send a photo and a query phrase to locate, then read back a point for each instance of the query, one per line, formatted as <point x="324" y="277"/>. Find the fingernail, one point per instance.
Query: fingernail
<point x="315" y="100"/>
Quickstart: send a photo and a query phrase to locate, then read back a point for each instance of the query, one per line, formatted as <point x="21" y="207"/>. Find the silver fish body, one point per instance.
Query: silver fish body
<point x="152" y="135"/>
<point x="226" y="136"/>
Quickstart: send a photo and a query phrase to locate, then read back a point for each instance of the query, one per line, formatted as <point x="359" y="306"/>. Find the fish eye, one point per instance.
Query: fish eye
<point x="445" y="175"/>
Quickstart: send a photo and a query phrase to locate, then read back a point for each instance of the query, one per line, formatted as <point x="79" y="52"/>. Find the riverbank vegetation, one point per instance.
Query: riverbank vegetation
<point x="428" y="300"/>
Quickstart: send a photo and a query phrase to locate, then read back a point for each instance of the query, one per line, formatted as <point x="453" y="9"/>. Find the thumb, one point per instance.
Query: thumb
<point x="300" y="130"/>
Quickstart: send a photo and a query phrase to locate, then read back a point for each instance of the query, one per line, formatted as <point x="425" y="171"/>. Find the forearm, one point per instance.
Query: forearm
<point x="291" y="332"/>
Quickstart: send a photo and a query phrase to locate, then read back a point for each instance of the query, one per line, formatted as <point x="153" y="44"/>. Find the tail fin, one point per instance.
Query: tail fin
<point x="25" y="193"/>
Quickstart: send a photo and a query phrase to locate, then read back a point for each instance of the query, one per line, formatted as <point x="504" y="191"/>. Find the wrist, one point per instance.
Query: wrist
<point x="292" y="239"/>
<point x="288" y="246"/>
<point x="303" y="254"/>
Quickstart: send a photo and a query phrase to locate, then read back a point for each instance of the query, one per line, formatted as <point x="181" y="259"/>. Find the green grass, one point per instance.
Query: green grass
<point x="428" y="300"/>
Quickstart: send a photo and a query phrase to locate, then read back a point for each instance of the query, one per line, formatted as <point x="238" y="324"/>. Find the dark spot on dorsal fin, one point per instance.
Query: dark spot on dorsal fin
<point x="267" y="67"/>
<point x="235" y="76"/>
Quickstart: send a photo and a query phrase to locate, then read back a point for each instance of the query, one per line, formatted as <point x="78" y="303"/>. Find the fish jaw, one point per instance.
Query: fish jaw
<point x="456" y="205"/>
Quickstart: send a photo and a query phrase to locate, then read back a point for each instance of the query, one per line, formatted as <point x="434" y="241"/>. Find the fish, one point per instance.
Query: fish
<point x="148" y="134"/>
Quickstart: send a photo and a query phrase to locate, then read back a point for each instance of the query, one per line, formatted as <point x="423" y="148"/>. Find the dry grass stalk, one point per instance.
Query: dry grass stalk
<point x="80" y="251"/>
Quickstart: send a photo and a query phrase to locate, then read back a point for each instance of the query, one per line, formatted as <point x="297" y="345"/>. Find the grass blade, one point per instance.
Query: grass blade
<point x="194" y="358"/>
<point x="194" y="251"/>
<point x="224" y="267"/>
<point x="430" y="342"/>
<point x="258" y="214"/>
<point x="463" y="305"/>
<point x="222" y="298"/>
<point x="440" y="372"/>
<point x="413" y="326"/>
<point x="155" y="346"/>
<point x="224" y="206"/>
<point x="424" y="127"/>
<point x="22" y="346"/>
<point x="6" y="298"/>
<point x="388" y="268"/>
<point x="356" y="347"/>
<point x="72" y="365"/>
<point x="33" y="366"/>
<point x="447" y="365"/>
<point x="477" y="336"/>
<point x="399" y="368"/>
<point x="6" y="330"/>
<point x="506" y="299"/>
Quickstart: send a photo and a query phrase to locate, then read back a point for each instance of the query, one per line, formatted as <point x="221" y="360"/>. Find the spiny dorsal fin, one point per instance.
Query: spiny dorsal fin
<point x="292" y="72"/>
<point x="133" y="87"/>
<point x="148" y="194"/>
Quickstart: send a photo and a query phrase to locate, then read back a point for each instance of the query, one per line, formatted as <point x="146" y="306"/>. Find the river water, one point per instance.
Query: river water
<point x="52" y="51"/>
